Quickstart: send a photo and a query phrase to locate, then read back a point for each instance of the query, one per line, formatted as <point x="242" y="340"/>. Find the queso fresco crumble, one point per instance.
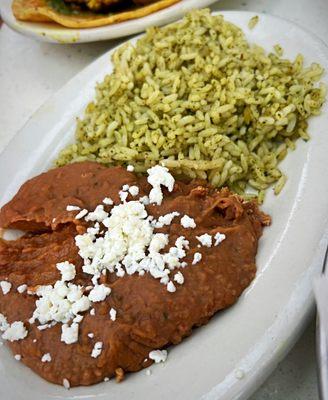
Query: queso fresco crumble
<point x="120" y="239"/>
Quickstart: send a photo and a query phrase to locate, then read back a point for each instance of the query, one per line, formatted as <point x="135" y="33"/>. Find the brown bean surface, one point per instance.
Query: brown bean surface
<point x="148" y="316"/>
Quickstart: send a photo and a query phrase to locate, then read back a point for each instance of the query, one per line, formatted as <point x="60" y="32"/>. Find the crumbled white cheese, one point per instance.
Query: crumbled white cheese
<point x="81" y="214"/>
<point x="99" y="214"/>
<point x="94" y="230"/>
<point x="123" y="195"/>
<point x="91" y="335"/>
<point x="165" y="219"/>
<point x="78" y="318"/>
<point x="97" y="349"/>
<point x="112" y="314"/>
<point x="99" y="293"/>
<point x="70" y="333"/>
<point x="130" y="168"/>
<point x="106" y="379"/>
<point x="79" y="305"/>
<point x="165" y="280"/>
<point x="158" y="242"/>
<point x="40" y="327"/>
<point x="158" y="355"/>
<point x="219" y="237"/>
<point x="43" y="327"/>
<point x="171" y="287"/>
<point x="119" y="271"/>
<point x="60" y="303"/>
<point x="67" y="270"/>
<point x="159" y="176"/>
<point x="188" y="222"/>
<point x="128" y="233"/>
<point x="46" y="358"/>
<point x="182" y="242"/>
<point x="5" y="286"/>
<point x="179" y="278"/>
<point x="205" y="240"/>
<point x="15" y="331"/>
<point x="197" y="258"/>
<point x="3" y="323"/>
<point x="125" y="188"/>
<point x="17" y="357"/>
<point x="22" y="288"/>
<point x="66" y="383"/>
<point x="108" y="201"/>
<point x="175" y="254"/>
<point x="134" y="191"/>
<point x="144" y="200"/>
<point x="72" y="208"/>
<point x="92" y="311"/>
<point x="95" y="279"/>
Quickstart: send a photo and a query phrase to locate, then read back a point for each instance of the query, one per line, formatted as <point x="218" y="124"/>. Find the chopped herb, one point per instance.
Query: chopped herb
<point x="61" y="7"/>
<point x="253" y="22"/>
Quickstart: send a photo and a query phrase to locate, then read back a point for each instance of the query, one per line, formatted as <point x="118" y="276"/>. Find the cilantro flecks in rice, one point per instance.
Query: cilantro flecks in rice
<point x="196" y="96"/>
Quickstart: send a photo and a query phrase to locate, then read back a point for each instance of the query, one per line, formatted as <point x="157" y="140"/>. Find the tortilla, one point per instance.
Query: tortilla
<point x="40" y="11"/>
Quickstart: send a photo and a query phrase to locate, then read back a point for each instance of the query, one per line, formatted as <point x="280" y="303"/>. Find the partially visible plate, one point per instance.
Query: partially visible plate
<point x="231" y="356"/>
<point x="54" y="33"/>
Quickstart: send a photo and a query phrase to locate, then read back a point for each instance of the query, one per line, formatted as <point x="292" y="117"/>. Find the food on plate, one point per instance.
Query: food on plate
<point x="93" y="4"/>
<point x="85" y="13"/>
<point x="113" y="267"/>
<point x="197" y="97"/>
<point x="103" y="4"/>
<point x="253" y="22"/>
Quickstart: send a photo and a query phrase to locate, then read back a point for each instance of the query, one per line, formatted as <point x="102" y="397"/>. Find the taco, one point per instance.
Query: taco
<point x="85" y="13"/>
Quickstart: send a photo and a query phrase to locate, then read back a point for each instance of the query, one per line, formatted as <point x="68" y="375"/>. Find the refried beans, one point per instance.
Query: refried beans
<point x="148" y="316"/>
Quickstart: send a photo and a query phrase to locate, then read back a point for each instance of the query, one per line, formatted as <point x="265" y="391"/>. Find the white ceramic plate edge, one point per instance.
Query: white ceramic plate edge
<point x="277" y="341"/>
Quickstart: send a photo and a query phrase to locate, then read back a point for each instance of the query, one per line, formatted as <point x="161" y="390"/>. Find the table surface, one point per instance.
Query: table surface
<point x="31" y="71"/>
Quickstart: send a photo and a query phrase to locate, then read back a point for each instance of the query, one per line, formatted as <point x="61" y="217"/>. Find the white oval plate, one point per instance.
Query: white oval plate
<point x="230" y="356"/>
<point x="55" y="33"/>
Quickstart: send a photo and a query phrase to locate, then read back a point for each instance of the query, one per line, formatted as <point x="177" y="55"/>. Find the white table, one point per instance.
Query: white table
<point x="31" y="71"/>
